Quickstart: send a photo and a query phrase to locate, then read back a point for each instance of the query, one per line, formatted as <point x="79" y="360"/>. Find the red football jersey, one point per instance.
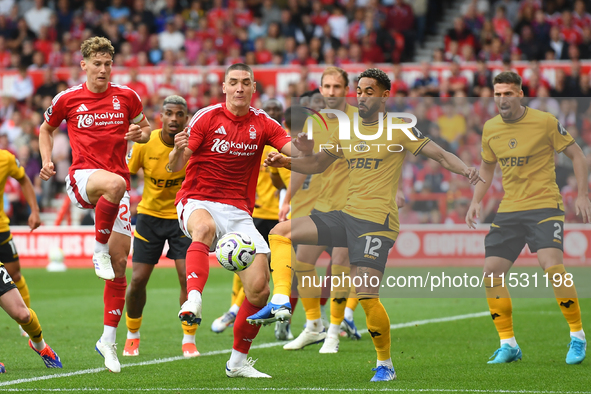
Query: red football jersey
<point x="227" y="152"/>
<point x="97" y="124"/>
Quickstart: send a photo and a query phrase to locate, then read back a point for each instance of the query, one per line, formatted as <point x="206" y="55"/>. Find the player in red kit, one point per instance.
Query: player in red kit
<point x="223" y="146"/>
<point x="101" y="118"/>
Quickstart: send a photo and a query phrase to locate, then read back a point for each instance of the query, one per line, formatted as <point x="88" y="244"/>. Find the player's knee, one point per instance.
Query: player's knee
<point x="116" y="187"/>
<point x="283" y="229"/>
<point x="201" y="233"/>
<point x="22" y="316"/>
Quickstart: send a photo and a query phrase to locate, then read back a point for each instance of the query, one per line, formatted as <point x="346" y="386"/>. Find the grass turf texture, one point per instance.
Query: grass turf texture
<point x="438" y="357"/>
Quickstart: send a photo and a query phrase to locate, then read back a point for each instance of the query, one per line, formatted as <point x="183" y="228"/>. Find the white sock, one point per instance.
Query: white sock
<point x="236" y="359"/>
<point x="188" y="338"/>
<point x="194" y="296"/>
<point x="109" y="334"/>
<point x="349" y="313"/>
<point x="234" y="309"/>
<point x="39" y="345"/>
<point x="314" y="325"/>
<point x="511" y="341"/>
<point x="100" y="248"/>
<point x="385" y="363"/>
<point x="334" y="330"/>
<point x="578" y="334"/>
<point x="133" y="335"/>
<point x="279" y="299"/>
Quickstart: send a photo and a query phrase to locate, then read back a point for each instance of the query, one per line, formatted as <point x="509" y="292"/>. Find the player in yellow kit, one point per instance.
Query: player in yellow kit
<point x="522" y="141"/>
<point x="10" y="166"/>
<point x="17" y="303"/>
<point x="368" y="224"/>
<point x="157" y="222"/>
<point x="334" y="183"/>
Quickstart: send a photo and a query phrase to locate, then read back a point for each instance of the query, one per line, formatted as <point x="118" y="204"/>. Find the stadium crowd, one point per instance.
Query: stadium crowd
<point x="42" y="35"/>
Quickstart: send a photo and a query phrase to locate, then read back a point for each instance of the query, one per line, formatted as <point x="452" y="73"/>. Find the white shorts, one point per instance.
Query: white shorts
<point x="227" y="219"/>
<point x="76" y="189"/>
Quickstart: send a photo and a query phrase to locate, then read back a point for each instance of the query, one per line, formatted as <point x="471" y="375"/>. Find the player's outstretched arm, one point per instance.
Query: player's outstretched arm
<point x="582" y="205"/>
<point x="451" y="162"/>
<point x="487" y="172"/>
<point x="29" y="193"/>
<point x="180" y="154"/>
<point x="45" y="148"/>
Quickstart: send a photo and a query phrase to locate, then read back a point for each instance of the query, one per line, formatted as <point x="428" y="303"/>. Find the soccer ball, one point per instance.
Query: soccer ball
<point x="235" y="251"/>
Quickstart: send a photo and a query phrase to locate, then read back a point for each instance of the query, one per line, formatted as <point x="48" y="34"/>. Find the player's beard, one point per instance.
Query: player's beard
<point x="366" y="110"/>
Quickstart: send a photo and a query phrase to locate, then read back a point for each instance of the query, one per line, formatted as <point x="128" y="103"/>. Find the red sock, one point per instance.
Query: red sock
<point x="114" y="298"/>
<point x="105" y="215"/>
<point x="245" y="333"/>
<point x="197" y="266"/>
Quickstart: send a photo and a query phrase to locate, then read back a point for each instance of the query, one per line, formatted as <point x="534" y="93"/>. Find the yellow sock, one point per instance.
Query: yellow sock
<point x="352" y="301"/>
<point x="566" y="296"/>
<point x="339" y="293"/>
<point x="133" y="324"/>
<point x="310" y="292"/>
<point x="22" y="287"/>
<point x="378" y="325"/>
<point x="33" y="328"/>
<point x="283" y="255"/>
<point x="189" y="330"/>
<point x="500" y="306"/>
<point x="236" y="287"/>
<point x="240" y="297"/>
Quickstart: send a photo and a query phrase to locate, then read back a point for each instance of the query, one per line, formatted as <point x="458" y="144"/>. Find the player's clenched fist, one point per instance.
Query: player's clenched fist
<point x="134" y="133"/>
<point x="181" y="140"/>
<point x="47" y="171"/>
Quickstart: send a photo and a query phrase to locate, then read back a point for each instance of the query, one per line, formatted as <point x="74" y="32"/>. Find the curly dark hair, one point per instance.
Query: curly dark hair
<point x="381" y="77"/>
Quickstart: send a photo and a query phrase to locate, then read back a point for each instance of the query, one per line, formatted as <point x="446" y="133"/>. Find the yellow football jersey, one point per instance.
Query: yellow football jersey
<point x="524" y="148"/>
<point x="374" y="171"/>
<point x="267" y="201"/>
<point x="9" y="166"/>
<point x="160" y="184"/>
<point x="334" y="182"/>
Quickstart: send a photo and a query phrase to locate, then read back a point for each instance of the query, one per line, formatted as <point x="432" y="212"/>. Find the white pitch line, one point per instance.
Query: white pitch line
<point x="321" y="389"/>
<point x="225" y="351"/>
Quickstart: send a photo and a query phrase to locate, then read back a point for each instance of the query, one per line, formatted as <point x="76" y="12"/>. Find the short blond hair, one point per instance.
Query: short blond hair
<point x="95" y="45"/>
<point x="332" y="70"/>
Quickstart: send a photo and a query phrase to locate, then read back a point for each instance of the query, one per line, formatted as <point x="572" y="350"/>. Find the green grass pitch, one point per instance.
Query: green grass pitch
<point x="430" y="356"/>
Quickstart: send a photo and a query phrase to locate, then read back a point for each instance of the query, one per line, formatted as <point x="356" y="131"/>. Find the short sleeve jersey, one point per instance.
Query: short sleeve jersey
<point x="374" y="170"/>
<point x="334" y="182"/>
<point x="524" y="148"/>
<point x="97" y="124"/>
<point x="160" y="183"/>
<point x="227" y="150"/>
<point x="9" y="166"/>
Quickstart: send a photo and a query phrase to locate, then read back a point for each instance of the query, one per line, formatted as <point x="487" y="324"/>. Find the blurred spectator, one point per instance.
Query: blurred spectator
<point x="427" y="84"/>
<point x="482" y="78"/>
<point x="139" y="15"/>
<point x="5" y="6"/>
<point x="544" y="102"/>
<point x="118" y="11"/>
<point x="171" y="38"/>
<point x="38" y="16"/>
<point x="473" y="20"/>
<point x="270" y="13"/>
<point x="557" y="44"/>
<point x="456" y="80"/>
<point x="460" y="34"/>
<point x="12" y="128"/>
<point x="419" y="8"/>
<point x="22" y="87"/>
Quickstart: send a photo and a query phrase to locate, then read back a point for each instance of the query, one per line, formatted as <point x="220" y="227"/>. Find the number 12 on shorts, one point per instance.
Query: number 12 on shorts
<point x="371" y="245"/>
